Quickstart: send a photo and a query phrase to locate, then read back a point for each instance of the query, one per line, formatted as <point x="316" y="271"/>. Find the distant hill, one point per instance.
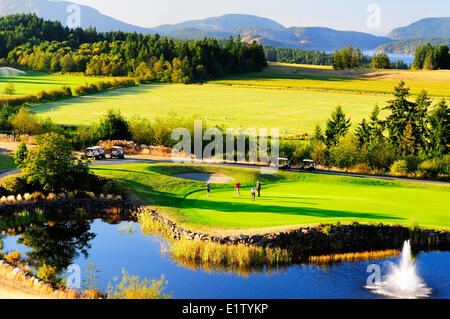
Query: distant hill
<point x="410" y="45"/>
<point x="227" y="23"/>
<point x="429" y="27"/>
<point x="262" y="30"/>
<point x="57" y="11"/>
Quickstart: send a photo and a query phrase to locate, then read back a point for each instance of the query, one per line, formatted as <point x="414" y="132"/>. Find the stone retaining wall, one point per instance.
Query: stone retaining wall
<point x="324" y="239"/>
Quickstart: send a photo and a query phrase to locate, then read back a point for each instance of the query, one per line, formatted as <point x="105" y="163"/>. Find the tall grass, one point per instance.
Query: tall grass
<point x="367" y="255"/>
<point x="211" y="254"/>
<point x="239" y="257"/>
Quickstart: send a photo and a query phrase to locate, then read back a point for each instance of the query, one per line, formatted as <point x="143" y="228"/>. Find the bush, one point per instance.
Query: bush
<point x="302" y="152"/>
<point x="131" y="287"/>
<point x="346" y="153"/>
<point x="399" y="168"/>
<point x="381" y="155"/>
<point x="319" y="152"/>
<point x="112" y="187"/>
<point x="15" y="184"/>
<point x="412" y="163"/>
<point x="47" y="273"/>
<point x="13" y="258"/>
<point x="113" y="126"/>
<point x="436" y="167"/>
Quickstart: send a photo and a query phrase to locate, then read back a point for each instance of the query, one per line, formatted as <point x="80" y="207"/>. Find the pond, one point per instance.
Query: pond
<point x="112" y="247"/>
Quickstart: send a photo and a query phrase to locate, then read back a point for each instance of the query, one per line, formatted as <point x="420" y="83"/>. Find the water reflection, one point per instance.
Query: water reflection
<point x="111" y="247"/>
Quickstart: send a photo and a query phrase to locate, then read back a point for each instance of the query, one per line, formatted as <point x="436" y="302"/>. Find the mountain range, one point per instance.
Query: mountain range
<point x="263" y="30"/>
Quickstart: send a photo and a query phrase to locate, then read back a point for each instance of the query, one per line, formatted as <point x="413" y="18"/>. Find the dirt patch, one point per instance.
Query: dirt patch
<point x="205" y="177"/>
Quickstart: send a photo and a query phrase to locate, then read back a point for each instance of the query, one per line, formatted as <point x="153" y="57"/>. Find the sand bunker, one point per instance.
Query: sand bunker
<point x="6" y="71"/>
<point x="204" y="177"/>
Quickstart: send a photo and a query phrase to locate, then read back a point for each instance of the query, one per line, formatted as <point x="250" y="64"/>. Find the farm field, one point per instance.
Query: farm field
<point x="297" y="76"/>
<point x="289" y="110"/>
<point x="33" y="82"/>
<point x="289" y="199"/>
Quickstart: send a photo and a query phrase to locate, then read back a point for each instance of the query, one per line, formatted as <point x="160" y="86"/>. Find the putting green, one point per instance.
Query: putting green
<point x="288" y="199"/>
<point x="300" y="203"/>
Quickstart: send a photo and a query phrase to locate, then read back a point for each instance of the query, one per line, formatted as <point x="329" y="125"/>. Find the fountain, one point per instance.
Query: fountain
<point x="402" y="281"/>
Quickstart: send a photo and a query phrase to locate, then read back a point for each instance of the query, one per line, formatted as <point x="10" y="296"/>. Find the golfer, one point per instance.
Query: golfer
<point x="253" y="193"/>
<point x="258" y="187"/>
<point x="238" y="189"/>
<point x="208" y="188"/>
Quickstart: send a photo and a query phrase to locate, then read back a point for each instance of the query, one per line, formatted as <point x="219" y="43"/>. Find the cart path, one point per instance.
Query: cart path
<point x="154" y="160"/>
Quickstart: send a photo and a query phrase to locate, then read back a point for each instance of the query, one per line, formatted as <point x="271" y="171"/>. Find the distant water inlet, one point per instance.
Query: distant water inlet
<point x="403" y="281"/>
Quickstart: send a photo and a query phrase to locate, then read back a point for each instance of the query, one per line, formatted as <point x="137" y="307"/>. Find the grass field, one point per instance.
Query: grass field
<point x="289" y="199"/>
<point x="291" y="97"/>
<point x="437" y="83"/>
<point x="33" y="82"/>
<point x="6" y="162"/>
<point x="290" y="110"/>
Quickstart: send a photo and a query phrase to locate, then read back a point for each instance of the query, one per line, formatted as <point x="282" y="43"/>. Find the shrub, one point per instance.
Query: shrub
<point x="319" y="152"/>
<point x="113" y="126"/>
<point x="112" y="187"/>
<point x="13" y="258"/>
<point x="302" y="152"/>
<point x="21" y="153"/>
<point x="15" y="184"/>
<point x="37" y="196"/>
<point x="346" y="153"/>
<point x="47" y="273"/>
<point x="381" y="155"/>
<point x="399" y="168"/>
<point x="131" y="287"/>
<point x="412" y="163"/>
<point x="435" y="167"/>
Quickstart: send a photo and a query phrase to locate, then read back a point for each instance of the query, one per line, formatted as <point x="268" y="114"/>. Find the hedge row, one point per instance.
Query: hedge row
<point x="66" y="92"/>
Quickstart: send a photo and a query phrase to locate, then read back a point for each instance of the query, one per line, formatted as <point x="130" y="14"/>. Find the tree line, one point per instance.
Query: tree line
<point x="430" y="57"/>
<point x="148" y="57"/>
<point x="299" y="56"/>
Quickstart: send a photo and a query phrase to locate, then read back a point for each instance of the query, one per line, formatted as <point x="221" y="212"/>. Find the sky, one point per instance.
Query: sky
<point x="373" y="16"/>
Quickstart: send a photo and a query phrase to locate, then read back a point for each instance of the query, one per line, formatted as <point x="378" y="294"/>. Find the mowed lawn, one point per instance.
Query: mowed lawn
<point x="6" y="162"/>
<point x="289" y="110"/>
<point x="313" y="202"/>
<point x="33" y="82"/>
<point x="300" y="76"/>
<point x="288" y="199"/>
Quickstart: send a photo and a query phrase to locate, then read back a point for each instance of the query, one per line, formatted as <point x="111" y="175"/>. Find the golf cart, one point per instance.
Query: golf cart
<point x="117" y="152"/>
<point x="96" y="152"/>
<point x="285" y="163"/>
<point x="308" y="165"/>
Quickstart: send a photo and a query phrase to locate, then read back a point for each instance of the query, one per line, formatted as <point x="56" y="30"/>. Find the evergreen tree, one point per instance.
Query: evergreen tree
<point x="21" y="154"/>
<point x="337" y="126"/>
<point x="439" y="120"/>
<point x="113" y="126"/>
<point x="400" y="108"/>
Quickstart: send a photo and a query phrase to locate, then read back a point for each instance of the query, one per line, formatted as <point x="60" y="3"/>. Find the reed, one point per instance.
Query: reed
<point x="367" y="255"/>
<point x="233" y="256"/>
<point x="152" y="226"/>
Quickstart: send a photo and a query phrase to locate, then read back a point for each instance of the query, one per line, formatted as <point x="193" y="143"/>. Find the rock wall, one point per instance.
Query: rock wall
<point x="323" y="239"/>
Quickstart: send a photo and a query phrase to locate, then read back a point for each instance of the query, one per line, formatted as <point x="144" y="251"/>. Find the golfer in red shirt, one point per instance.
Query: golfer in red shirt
<point x="238" y="188"/>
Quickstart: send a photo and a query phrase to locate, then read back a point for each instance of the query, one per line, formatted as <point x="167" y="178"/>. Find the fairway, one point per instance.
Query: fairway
<point x="293" y="76"/>
<point x="291" y="110"/>
<point x="33" y="82"/>
<point x="288" y="199"/>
